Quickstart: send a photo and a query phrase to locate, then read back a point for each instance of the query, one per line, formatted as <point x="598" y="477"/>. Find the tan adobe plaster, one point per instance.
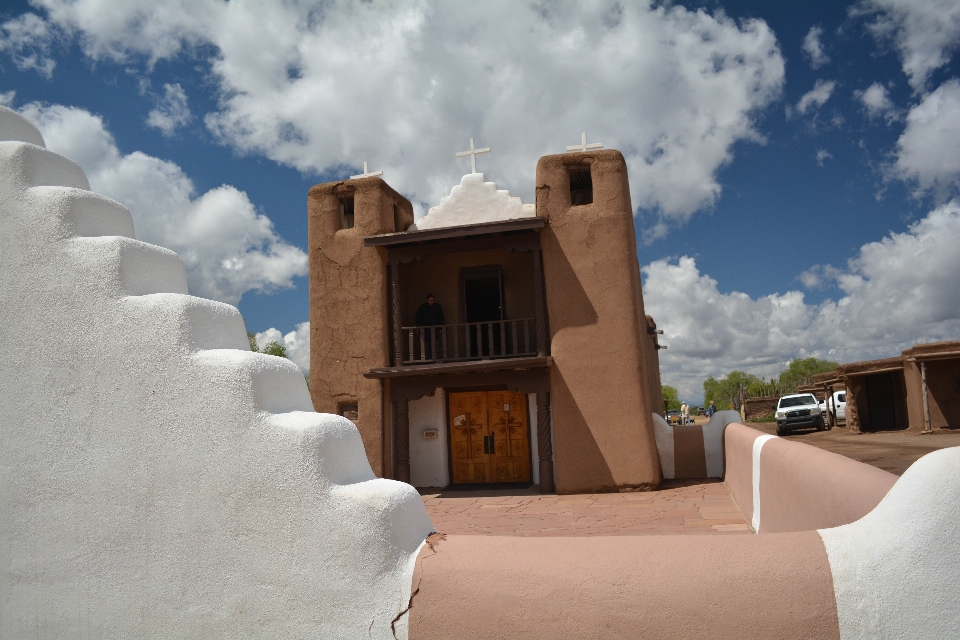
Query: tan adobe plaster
<point x="603" y="431"/>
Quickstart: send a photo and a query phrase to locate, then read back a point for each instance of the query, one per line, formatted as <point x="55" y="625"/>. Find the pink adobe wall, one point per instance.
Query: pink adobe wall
<point x="738" y="458"/>
<point x="777" y="586"/>
<point x="804" y="488"/>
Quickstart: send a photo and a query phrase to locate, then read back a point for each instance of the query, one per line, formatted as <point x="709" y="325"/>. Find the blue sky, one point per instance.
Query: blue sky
<point x="793" y="165"/>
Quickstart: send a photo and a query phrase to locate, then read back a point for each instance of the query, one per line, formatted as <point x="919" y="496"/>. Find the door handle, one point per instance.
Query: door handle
<point x="488" y="444"/>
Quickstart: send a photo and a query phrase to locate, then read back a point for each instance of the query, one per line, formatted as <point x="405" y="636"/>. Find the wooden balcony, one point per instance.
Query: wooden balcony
<point x="469" y="341"/>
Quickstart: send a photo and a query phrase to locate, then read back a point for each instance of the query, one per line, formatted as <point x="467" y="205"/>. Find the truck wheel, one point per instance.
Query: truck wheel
<point x="781" y="431"/>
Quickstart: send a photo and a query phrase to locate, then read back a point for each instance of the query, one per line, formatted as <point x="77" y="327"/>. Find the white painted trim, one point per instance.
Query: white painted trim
<point x="663" y="435"/>
<point x="757" y="446"/>
<point x="895" y="570"/>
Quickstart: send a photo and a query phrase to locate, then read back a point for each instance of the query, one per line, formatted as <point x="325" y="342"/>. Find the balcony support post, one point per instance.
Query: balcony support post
<point x="401" y="440"/>
<point x="540" y="306"/>
<point x="545" y="442"/>
<point x="395" y="315"/>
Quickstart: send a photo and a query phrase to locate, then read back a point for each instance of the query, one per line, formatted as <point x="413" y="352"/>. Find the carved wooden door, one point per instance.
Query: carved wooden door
<point x="469" y="437"/>
<point x="489" y="437"/>
<point x="507" y="416"/>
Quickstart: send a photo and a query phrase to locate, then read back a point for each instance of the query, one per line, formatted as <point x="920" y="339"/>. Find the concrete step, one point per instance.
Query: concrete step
<point x="80" y="213"/>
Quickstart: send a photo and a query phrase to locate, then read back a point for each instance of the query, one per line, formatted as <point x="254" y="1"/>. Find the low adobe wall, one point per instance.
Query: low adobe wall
<point x="756" y="408"/>
<point x="796" y="487"/>
<point x="693" y="450"/>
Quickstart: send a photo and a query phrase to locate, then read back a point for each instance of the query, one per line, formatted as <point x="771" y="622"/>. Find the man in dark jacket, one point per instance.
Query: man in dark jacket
<point x="429" y="314"/>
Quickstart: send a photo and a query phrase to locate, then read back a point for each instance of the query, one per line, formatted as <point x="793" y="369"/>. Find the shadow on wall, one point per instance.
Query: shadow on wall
<point x="576" y="309"/>
<point x="580" y="464"/>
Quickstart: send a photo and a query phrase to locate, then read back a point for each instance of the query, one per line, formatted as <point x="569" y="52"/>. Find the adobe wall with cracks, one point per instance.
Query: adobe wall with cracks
<point x="598" y="330"/>
<point x="349" y="319"/>
<point x="156" y="477"/>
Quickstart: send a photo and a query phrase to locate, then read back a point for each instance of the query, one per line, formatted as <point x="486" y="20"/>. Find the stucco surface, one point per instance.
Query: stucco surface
<point x="348" y="302"/>
<point x="895" y="570"/>
<point x="603" y="431"/>
<point x="776" y="586"/>
<point x="473" y="201"/>
<point x="738" y="442"/>
<point x="698" y="452"/>
<point x="156" y="477"/>
<point x="800" y="487"/>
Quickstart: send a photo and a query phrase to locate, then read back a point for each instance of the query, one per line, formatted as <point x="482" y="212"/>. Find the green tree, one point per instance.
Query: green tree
<point x="801" y="372"/>
<point x="727" y="392"/>
<point x="253" y="341"/>
<point x="274" y="348"/>
<point x="671" y="397"/>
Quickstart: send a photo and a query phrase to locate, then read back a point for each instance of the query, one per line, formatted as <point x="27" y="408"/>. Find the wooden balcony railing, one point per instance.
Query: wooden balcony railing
<point x="470" y="341"/>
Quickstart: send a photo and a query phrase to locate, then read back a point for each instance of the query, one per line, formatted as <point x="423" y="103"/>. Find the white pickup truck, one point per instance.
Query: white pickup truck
<point x="838" y="405"/>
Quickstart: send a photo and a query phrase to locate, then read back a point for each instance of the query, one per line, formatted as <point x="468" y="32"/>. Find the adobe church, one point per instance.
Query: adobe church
<point x="544" y="368"/>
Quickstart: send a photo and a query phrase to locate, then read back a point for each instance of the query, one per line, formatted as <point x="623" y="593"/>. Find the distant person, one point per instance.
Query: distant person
<point x="684" y="413"/>
<point x="429" y="314"/>
<point x="712" y="409"/>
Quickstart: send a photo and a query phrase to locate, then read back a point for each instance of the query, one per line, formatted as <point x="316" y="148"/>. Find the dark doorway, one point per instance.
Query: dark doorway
<point x="880" y="402"/>
<point x="483" y="303"/>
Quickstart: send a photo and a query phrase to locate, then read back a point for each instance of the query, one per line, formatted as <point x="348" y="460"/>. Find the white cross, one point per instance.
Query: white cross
<point x="367" y="173"/>
<point x="473" y="155"/>
<point x="583" y="146"/>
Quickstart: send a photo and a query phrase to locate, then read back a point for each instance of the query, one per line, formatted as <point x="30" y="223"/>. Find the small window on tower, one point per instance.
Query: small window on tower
<point x="350" y="412"/>
<point x="346" y="212"/>
<point x="581" y="186"/>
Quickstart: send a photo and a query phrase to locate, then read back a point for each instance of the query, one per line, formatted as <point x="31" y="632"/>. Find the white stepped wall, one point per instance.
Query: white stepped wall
<point x="156" y="477"/>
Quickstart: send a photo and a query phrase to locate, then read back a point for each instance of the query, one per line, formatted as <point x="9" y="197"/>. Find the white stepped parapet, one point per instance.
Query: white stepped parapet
<point x="271" y="383"/>
<point x="15" y="128"/>
<point x="26" y="165"/>
<point x="130" y="267"/>
<point x="156" y="477"/>
<point x="187" y="324"/>
<point x="80" y="213"/>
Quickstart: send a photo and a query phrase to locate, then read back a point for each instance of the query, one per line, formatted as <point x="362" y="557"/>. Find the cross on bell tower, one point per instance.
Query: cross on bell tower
<point x="367" y="173"/>
<point x="583" y="146"/>
<point x="473" y="155"/>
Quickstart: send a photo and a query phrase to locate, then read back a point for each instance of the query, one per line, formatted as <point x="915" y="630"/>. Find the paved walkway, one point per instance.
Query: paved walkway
<point x="700" y="506"/>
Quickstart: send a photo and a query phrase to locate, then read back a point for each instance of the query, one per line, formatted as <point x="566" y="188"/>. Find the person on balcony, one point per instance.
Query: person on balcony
<point x="430" y="314"/>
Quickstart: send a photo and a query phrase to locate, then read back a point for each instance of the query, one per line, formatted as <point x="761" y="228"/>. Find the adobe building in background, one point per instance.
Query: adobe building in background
<point x="918" y="390"/>
<point x="545" y="368"/>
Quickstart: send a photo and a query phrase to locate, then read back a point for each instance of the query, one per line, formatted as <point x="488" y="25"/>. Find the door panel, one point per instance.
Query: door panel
<point x="489" y="437"/>
<point x="468" y="430"/>
<point x="511" y="436"/>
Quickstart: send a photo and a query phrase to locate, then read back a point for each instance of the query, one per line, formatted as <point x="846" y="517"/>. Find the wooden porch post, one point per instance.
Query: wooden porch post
<point x="395" y="315"/>
<point x="540" y="306"/>
<point x="545" y="441"/>
<point x="401" y="441"/>
<point x="831" y="418"/>
<point x="926" y="398"/>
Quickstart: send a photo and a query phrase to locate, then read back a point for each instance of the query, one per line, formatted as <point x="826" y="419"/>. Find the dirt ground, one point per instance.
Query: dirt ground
<point x="891" y="451"/>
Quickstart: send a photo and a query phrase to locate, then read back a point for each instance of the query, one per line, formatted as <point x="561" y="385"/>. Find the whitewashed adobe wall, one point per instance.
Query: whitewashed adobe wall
<point x="156" y="477"/>
<point x="475" y="201"/>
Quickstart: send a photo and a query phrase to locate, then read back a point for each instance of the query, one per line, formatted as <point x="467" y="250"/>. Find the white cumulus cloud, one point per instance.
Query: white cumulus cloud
<point x="172" y="111"/>
<point x="405" y="84"/>
<point x="895" y="293"/>
<point x="228" y="248"/>
<point x="926" y="33"/>
<point x="296" y="342"/>
<point x="813" y="47"/>
<point x="928" y="151"/>
<point x="816" y="97"/>
<point x="876" y="100"/>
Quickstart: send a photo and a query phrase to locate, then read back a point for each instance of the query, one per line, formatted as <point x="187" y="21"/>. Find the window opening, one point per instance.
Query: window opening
<point x="346" y="212"/>
<point x="349" y="411"/>
<point x="581" y="186"/>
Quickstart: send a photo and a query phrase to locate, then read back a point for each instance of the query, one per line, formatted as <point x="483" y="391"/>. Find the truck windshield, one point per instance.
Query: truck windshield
<point x="797" y="401"/>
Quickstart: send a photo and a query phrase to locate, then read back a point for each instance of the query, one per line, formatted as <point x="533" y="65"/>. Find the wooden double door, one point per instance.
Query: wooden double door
<point x="489" y="437"/>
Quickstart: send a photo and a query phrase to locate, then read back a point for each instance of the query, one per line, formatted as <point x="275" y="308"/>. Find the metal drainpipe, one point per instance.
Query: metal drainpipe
<point x="926" y="399"/>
